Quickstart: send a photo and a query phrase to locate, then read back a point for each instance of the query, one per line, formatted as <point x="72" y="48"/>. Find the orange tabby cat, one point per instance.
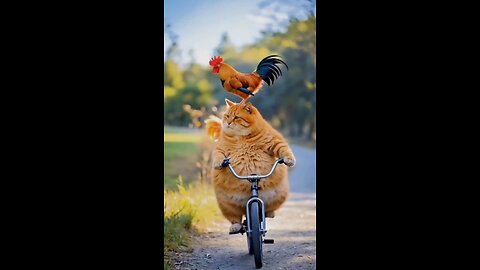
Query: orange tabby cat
<point x="252" y="146"/>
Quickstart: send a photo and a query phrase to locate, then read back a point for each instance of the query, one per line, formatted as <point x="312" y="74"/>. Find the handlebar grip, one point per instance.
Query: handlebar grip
<point x="225" y="162"/>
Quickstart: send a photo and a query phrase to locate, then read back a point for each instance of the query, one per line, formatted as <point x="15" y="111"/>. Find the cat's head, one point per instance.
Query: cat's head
<point x="240" y="119"/>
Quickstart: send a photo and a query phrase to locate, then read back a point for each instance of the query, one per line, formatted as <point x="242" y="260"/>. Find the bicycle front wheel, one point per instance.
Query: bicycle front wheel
<point x="256" y="234"/>
<point x="250" y="245"/>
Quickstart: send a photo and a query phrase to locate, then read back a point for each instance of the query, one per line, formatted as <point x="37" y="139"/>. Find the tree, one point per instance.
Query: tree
<point x="289" y="104"/>
<point x="225" y="48"/>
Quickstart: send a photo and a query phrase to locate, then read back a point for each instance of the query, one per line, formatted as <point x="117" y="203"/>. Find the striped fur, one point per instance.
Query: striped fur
<point x="213" y="127"/>
<point x="252" y="145"/>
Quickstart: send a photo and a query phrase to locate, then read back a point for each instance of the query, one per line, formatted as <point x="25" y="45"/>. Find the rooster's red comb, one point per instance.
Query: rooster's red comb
<point x="215" y="61"/>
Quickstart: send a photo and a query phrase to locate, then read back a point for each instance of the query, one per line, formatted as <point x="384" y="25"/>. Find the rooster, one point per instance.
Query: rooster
<point x="246" y="85"/>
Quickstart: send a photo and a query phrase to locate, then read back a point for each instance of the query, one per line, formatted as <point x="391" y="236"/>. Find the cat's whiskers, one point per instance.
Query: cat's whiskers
<point x="252" y="145"/>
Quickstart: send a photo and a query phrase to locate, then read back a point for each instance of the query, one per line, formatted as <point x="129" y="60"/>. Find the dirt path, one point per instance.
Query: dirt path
<point x="293" y="229"/>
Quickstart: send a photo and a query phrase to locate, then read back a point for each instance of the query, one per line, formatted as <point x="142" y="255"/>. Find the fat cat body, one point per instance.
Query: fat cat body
<point x="253" y="146"/>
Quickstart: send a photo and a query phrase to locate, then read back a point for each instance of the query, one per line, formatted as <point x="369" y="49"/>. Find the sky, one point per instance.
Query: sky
<point x="200" y="24"/>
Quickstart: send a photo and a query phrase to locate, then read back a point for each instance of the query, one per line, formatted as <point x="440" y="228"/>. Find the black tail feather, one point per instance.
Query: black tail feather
<point x="269" y="68"/>
<point x="246" y="91"/>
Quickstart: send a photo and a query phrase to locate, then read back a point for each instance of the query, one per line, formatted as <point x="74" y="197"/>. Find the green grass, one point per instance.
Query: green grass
<point x="188" y="210"/>
<point x="180" y="156"/>
<point x="188" y="207"/>
<point x="175" y="230"/>
<point x="176" y="234"/>
<point x="173" y="129"/>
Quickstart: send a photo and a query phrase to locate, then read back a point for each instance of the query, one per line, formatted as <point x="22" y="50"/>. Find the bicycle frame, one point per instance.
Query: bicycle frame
<point x="263" y="223"/>
<point x="254" y="179"/>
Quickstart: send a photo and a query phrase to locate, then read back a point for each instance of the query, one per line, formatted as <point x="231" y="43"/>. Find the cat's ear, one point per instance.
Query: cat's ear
<point x="229" y="103"/>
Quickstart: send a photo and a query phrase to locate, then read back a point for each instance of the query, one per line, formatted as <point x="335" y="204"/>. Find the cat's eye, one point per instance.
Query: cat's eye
<point x="248" y="109"/>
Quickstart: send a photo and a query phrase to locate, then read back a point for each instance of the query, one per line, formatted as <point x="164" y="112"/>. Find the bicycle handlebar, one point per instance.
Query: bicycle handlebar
<point x="226" y="163"/>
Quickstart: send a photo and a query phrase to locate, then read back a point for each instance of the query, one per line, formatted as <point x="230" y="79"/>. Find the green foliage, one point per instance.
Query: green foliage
<point x="173" y="75"/>
<point x="191" y="207"/>
<point x="289" y="104"/>
<point x="179" y="158"/>
<point x="175" y="230"/>
<point x="225" y="48"/>
<point x="176" y="223"/>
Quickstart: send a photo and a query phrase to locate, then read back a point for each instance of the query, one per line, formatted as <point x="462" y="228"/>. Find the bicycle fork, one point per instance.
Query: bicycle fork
<point x="255" y="198"/>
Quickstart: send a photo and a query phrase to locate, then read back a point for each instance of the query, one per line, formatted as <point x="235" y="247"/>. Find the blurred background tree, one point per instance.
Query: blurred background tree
<point x="192" y="92"/>
<point x="289" y="105"/>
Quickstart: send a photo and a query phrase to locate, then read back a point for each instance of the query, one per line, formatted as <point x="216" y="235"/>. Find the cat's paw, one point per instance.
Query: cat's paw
<point x="217" y="165"/>
<point x="236" y="227"/>
<point x="289" y="160"/>
<point x="270" y="214"/>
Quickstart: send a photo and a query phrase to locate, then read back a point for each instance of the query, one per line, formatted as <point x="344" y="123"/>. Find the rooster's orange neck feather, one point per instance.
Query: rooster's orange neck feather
<point x="226" y="71"/>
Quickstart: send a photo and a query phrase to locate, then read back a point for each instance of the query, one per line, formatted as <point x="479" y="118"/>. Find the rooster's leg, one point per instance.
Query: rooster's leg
<point x="244" y="101"/>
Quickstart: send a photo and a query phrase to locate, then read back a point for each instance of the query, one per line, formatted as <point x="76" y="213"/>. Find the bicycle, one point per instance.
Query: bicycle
<point x="254" y="224"/>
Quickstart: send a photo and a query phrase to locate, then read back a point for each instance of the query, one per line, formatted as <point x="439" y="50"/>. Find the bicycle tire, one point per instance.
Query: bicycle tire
<point x="250" y="245"/>
<point x="256" y="234"/>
